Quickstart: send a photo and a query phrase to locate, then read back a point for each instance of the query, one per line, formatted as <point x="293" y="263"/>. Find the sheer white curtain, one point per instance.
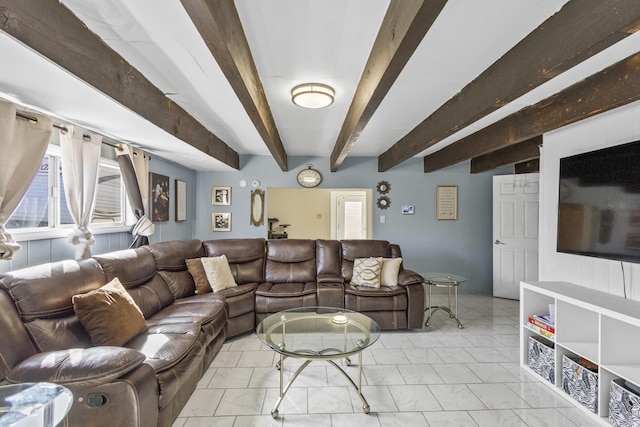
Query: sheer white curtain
<point x="80" y="171"/>
<point x="134" y="167"/>
<point x="23" y="144"/>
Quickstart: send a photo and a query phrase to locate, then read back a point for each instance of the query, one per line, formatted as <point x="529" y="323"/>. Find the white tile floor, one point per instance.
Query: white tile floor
<point x="438" y="376"/>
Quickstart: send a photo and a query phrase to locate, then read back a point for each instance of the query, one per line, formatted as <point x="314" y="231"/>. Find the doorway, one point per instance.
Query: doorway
<point x="349" y="215"/>
<point x="515" y="232"/>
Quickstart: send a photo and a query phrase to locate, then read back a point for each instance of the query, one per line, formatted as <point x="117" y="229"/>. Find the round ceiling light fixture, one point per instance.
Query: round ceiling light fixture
<point x="312" y="95"/>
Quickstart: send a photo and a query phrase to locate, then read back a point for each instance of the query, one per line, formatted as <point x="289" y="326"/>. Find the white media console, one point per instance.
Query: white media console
<point x="598" y="326"/>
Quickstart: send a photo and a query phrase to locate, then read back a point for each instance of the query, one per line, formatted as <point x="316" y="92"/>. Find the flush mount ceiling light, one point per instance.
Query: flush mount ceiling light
<point x="312" y="95"/>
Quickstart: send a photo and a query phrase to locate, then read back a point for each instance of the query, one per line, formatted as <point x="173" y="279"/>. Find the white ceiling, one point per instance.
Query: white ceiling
<point x="292" y="41"/>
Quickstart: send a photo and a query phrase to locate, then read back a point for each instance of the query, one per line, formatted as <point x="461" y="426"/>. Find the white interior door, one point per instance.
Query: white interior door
<point x="515" y="232"/>
<point x="350" y="219"/>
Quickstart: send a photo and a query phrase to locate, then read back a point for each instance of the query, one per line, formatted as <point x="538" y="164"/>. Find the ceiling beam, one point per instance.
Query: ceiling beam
<point x="530" y="166"/>
<point x="578" y="31"/>
<point x="615" y="86"/>
<point x="517" y="153"/>
<point x="403" y="28"/>
<point x="53" y="31"/>
<point x="219" y="25"/>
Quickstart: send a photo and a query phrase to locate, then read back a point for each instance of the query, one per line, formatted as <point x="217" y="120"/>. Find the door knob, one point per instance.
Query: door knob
<point x="498" y="242"/>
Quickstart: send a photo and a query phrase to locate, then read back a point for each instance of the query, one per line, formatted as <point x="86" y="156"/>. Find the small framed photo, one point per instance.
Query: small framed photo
<point x="221" y="221"/>
<point x="221" y="196"/>
<point x="407" y="210"/>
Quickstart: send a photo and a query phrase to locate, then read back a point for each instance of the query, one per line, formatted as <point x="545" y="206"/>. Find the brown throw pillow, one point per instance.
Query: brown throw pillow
<point x="196" y="269"/>
<point x="109" y="314"/>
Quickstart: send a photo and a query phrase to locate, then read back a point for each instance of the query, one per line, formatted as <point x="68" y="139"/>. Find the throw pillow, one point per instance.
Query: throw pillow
<point x="390" y="270"/>
<point x="196" y="269"/>
<point x="109" y="314"/>
<point x="218" y="273"/>
<point x="366" y="272"/>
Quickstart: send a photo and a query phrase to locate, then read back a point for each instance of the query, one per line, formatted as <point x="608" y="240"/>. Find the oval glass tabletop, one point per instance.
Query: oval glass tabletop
<point x="318" y="332"/>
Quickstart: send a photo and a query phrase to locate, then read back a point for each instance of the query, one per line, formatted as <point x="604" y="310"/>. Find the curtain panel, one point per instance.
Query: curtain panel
<point x="80" y="171"/>
<point x="23" y="144"/>
<point x="134" y="167"/>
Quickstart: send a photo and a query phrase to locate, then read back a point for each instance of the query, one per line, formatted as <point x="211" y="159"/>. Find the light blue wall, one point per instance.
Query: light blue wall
<point x="463" y="246"/>
<point x="47" y="250"/>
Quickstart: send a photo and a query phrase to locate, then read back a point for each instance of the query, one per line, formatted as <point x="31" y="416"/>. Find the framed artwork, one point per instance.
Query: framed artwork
<point x="181" y="200"/>
<point x="221" y="196"/>
<point x="447" y="202"/>
<point x="221" y="221"/>
<point x="159" y="192"/>
<point x="407" y="210"/>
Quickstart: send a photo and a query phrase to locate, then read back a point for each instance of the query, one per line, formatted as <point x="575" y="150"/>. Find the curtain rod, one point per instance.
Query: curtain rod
<point x="61" y="127"/>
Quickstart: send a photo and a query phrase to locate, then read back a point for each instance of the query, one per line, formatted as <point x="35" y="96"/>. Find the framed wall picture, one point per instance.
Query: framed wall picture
<point x="221" y="221"/>
<point x="407" y="210"/>
<point x="159" y="193"/>
<point x="447" y="202"/>
<point x="221" y="196"/>
<point x="181" y="200"/>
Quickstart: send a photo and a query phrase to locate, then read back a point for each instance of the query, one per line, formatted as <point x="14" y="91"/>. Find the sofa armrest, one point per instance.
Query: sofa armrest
<point x="409" y="277"/>
<point x="77" y="366"/>
<point x="329" y="278"/>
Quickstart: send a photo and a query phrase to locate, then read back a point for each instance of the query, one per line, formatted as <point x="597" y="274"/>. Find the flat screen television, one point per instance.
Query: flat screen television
<point x="599" y="203"/>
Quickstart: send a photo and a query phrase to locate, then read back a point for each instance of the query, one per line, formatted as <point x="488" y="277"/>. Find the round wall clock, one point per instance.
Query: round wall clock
<point x="309" y="177"/>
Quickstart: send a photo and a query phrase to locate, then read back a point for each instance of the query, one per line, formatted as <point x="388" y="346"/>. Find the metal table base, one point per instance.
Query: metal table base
<point x="285" y="388"/>
<point x="449" y="282"/>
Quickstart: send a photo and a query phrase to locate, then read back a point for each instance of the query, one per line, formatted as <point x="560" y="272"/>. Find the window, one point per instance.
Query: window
<point x="43" y="212"/>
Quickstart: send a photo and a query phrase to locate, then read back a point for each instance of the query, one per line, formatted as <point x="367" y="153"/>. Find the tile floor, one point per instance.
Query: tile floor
<point x="438" y="376"/>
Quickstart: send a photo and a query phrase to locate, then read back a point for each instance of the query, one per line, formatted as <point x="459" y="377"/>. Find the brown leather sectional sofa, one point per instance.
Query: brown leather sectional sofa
<point x="148" y="380"/>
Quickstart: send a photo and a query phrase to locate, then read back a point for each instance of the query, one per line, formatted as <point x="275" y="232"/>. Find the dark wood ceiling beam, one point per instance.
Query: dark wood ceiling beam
<point x="220" y="27"/>
<point x="517" y="153"/>
<point x="615" y="86"/>
<point x="403" y="28"/>
<point x="530" y="166"/>
<point x="578" y="31"/>
<point x="53" y="31"/>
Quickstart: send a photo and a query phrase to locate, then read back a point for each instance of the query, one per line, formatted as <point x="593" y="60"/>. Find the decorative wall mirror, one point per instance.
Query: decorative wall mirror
<point x="257" y="207"/>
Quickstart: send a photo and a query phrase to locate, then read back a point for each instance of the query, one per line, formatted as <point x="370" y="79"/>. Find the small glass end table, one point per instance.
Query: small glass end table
<point x="34" y="404"/>
<point x="443" y="280"/>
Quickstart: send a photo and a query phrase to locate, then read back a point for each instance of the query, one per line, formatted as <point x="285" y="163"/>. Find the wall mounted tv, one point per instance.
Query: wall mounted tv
<point x="599" y="203"/>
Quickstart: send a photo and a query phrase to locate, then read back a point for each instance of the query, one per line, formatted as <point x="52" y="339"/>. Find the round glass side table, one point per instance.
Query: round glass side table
<point x="34" y="404"/>
<point x="443" y="280"/>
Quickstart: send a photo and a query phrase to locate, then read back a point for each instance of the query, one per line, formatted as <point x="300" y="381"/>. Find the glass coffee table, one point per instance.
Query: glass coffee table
<point x="318" y="333"/>
<point x="443" y="280"/>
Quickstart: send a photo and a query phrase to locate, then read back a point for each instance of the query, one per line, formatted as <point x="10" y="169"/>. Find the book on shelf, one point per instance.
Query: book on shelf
<point x="545" y="333"/>
<point x="536" y="320"/>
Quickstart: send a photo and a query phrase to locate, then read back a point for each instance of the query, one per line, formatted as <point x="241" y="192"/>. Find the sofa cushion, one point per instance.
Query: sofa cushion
<point x="390" y="270"/>
<point x="366" y="272"/>
<point x="196" y="269"/>
<point x="245" y="257"/>
<point x="218" y="273"/>
<point x="109" y="314"/>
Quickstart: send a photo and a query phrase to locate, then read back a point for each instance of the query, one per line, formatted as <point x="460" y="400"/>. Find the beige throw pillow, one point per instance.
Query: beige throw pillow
<point x="366" y="272"/>
<point x="218" y="273"/>
<point x="390" y="270"/>
<point x="196" y="269"/>
<point x="109" y="314"/>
